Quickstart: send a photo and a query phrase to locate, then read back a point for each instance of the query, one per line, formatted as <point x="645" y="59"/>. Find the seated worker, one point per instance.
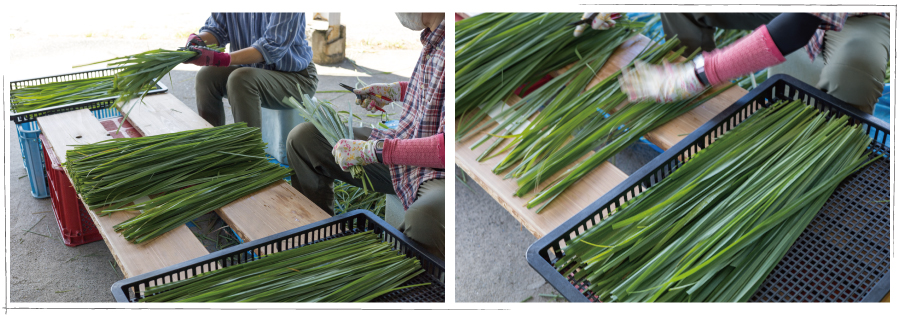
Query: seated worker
<point x="407" y="161"/>
<point x="844" y="55"/>
<point x="269" y="57"/>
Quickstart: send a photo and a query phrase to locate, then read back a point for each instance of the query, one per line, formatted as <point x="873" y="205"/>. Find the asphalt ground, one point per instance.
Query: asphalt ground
<point x="491" y="244"/>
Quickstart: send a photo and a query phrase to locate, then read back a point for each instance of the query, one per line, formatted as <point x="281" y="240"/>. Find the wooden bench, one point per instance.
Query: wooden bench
<point x="274" y="209"/>
<point x="599" y="181"/>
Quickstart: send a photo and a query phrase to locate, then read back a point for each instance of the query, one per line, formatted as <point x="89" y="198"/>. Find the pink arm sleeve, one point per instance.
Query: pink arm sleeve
<point x="424" y="152"/>
<point x="755" y="52"/>
<point x="403" y="85"/>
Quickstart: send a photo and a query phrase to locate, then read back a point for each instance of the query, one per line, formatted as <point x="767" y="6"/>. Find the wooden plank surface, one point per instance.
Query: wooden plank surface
<point x="677" y="129"/>
<point x="161" y="114"/>
<point x="274" y="209"/>
<point x="67" y="129"/>
<point x="581" y="194"/>
<point x="179" y="245"/>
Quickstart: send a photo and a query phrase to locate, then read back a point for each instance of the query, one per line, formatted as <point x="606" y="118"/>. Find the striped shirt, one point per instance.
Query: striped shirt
<point x="830" y="22"/>
<point x="279" y="37"/>
<point x="422" y="114"/>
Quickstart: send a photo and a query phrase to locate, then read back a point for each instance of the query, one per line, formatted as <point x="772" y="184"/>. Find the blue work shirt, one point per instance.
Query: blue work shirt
<point x="280" y="37"/>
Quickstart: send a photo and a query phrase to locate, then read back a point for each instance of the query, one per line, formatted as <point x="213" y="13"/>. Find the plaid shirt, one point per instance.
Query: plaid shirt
<point x="422" y="114"/>
<point x="830" y="22"/>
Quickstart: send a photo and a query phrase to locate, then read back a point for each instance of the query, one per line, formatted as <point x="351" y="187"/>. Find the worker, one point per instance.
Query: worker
<point x="407" y="161"/>
<point x="268" y="59"/>
<point x="845" y="55"/>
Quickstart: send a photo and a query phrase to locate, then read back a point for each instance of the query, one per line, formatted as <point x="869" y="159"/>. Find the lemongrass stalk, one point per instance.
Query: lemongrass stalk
<point x="322" y="115"/>
<point x="59" y="93"/>
<point x="140" y="72"/>
<point x="602" y="98"/>
<point x="174" y="209"/>
<point x="646" y="120"/>
<point x="517" y="48"/>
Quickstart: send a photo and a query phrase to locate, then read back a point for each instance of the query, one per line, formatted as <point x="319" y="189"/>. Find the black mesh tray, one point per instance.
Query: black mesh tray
<point x="843" y="255"/>
<point x="93" y="104"/>
<point x="356" y="221"/>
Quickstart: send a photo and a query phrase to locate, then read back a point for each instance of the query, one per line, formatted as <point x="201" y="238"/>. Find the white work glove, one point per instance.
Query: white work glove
<point x="603" y="21"/>
<point x="348" y="153"/>
<point x="661" y="83"/>
<point x="378" y="95"/>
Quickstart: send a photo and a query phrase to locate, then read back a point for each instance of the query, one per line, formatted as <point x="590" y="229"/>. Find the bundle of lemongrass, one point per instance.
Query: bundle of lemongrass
<point x="58" y="93"/>
<point x="198" y="170"/>
<point x="326" y="119"/>
<point x="569" y="128"/>
<point x="116" y="172"/>
<point x="352" y="268"/>
<point x="562" y="89"/>
<point x="499" y="52"/>
<point x="143" y="70"/>
<point x="714" y="228"/>
<point x="559" y="105"/>
<point x="164" y="213"/>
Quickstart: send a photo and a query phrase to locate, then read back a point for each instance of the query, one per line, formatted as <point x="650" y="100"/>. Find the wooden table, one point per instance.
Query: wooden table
<point x="599" y="181"/>
<point x="276" y="208"/>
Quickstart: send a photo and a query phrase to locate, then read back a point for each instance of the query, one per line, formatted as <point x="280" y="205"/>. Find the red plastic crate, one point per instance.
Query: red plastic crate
<point x="127" y="130"/>
<point x="75" y="224"/>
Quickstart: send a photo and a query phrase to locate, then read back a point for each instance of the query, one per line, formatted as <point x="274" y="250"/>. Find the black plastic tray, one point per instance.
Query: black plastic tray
<point x="105" y="102"/>
<point x="843" y="255"/>
<point x="356" y="221"/>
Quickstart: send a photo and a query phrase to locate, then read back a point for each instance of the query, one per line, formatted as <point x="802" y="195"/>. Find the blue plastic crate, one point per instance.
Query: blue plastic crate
<point x="33" y="158"/>
<point x="273" y="160"/>
<point x="392" y="124"/>
<point x="883" y="111"/>
<point x="32" y="151"/>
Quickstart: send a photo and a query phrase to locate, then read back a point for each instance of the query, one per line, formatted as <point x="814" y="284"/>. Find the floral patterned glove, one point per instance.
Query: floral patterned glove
<point x="603" y="21"/>
<point x="378" y="95"/>
<point x="662" y="83"/>
<point x="348" y="153"/>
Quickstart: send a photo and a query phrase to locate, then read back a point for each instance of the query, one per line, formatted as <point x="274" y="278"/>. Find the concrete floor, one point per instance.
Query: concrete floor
<point x="491" y="244"/>
<point x="41" y="267"/>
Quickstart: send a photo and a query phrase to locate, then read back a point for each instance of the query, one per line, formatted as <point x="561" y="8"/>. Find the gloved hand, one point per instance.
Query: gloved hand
<point x="662" y="83"/>
<point x="376" y="93"/>
<point x="209" y="57"/>
<point x="603" y="21"/>
<point x="348" y="153"/>
<point x="195" y="40"/>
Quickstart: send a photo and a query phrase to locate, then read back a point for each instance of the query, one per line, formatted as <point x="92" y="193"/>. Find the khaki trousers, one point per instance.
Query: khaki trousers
<point x="247" y="90"/>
